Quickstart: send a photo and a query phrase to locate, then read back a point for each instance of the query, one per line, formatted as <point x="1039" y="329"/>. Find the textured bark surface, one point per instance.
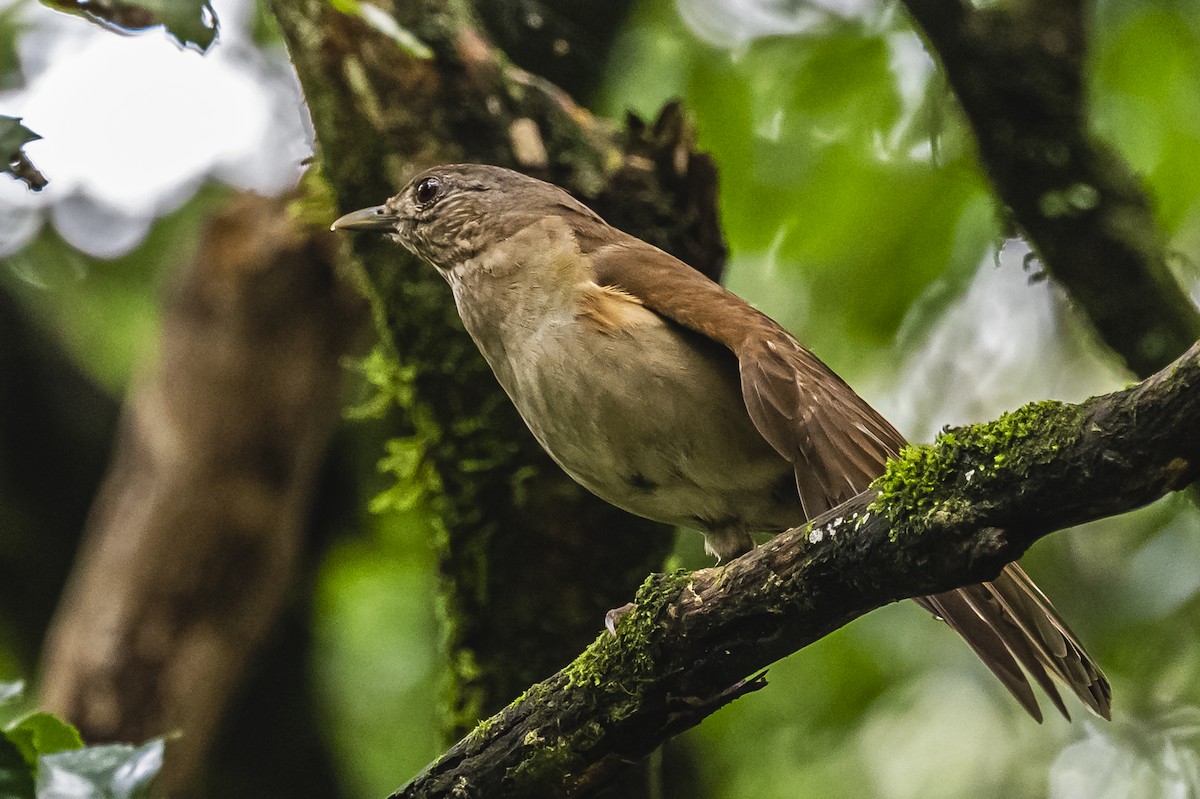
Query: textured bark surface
<point x="1018" y="70"/>
<point x="193" y="539"/>
<point x="530" y="561"/>
<point x="943" y="516"/>
<point x="563" y="40"/>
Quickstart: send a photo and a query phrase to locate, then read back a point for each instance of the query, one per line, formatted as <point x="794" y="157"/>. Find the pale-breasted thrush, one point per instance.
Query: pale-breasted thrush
<point x="668" y="396"/>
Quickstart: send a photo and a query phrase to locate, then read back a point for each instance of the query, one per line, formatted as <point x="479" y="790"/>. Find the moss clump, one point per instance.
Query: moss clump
<point x="631" y="656"/>
<point x="927" y="482"/>
<point x="549" y="756"/>
<point x="544" y="769"/>
<point x="482" y="729"/>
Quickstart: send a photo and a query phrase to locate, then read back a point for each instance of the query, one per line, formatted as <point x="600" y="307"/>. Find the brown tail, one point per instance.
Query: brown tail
<point x="1010" y="624"/>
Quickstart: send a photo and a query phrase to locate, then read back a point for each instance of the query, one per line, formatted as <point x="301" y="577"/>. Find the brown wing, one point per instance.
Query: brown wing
<point x="836" y="441"/>
<point x="838" y="445"/>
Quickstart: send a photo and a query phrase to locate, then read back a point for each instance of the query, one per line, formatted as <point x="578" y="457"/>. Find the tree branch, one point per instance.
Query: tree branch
<point x="943" y="516"/>
<point x="1017" y="69"/>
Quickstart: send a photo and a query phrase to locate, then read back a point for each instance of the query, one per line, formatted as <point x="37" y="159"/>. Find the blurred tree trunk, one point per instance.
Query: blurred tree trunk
<point x="191" y="547"/>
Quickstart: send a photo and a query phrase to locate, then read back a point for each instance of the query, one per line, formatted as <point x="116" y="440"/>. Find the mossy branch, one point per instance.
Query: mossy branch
<point x="943" y="516"/>
<point x="1017" y="69"/>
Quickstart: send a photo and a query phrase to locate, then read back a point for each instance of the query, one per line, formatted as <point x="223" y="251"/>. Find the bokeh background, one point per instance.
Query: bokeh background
<point x="856" y="213"/>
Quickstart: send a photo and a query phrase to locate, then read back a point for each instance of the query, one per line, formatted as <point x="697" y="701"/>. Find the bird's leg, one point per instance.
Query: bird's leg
<point x="727" y="543"/>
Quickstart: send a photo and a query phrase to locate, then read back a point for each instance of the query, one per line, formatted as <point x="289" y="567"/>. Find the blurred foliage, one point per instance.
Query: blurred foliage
<point x="375" y="612"/>
<point x="191" y="23"/>
<point x="10" y="30"/>
<point x="377" y="667"/>
<point x="827" y="185"/>
<point x="13" y="161"/>
<point x="1146" y="102"/>
<point x="855" y="209"/>
<point x="105" y="312"/>
<point x="43" y="756"/>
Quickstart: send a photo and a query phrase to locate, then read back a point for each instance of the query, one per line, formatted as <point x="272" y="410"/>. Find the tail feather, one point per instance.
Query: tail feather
<point x="952" y="608"/>
<point x="1024" y="644"/>
<point x="1008" y="622"/>
<point x="1070" y="662"/>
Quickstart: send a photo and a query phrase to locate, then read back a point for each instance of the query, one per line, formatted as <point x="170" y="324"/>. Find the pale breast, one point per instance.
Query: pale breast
<point x="650" y="417"/>
<point x="640" y="411"/>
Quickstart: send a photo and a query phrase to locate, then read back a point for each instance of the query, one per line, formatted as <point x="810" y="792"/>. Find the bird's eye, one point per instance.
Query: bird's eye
<point x="428" y="190"/>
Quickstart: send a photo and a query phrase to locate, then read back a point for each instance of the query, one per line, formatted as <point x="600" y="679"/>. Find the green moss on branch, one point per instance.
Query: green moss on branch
<point x="928" y="483"/>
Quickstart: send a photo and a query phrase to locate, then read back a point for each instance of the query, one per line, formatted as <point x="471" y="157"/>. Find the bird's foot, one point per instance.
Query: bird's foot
<point x="614" y="616"/>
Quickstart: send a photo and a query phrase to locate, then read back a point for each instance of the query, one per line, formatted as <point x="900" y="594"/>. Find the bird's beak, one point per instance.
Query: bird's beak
<point x="375" y="218"/>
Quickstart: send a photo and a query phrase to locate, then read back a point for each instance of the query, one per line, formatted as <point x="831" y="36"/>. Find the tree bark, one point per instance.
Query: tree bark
<point x="943" y="516"/>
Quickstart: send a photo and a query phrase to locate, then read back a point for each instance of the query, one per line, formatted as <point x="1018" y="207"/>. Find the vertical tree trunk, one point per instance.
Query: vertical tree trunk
<point x="192" y="543"/>
<point x="530" y="561"/>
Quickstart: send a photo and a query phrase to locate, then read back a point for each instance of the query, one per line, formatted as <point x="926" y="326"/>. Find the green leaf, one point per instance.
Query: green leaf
<point x="16" y="775"/>
<point x="42" y="734"/>
<point x="114" y="771"/>
<point x="13" y="137"/>
<point x="192" y="23"/>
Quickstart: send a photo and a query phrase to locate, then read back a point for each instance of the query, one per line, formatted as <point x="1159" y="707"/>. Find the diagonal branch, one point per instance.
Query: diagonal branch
<point x="943" y="516"/>
<point x="1018" y="71"/>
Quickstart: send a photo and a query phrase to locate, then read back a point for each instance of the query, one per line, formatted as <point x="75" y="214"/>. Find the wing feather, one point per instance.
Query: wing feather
<point x="836" y="442"/>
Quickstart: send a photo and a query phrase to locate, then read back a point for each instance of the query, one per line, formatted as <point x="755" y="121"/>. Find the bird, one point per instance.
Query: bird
<point x="669" y="396"/>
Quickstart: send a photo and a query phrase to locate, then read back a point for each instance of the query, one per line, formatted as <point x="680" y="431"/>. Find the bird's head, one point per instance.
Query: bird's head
<point x="448" y="214"/>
